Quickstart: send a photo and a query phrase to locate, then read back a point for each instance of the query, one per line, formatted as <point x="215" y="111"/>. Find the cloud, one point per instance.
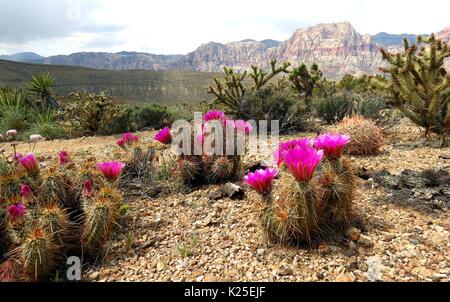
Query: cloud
<point x="24" y="21"/>
<point x="177" y="26"/>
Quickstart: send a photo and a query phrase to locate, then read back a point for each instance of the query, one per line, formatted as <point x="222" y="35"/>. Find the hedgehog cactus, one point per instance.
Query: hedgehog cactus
<point x="222" y="168"/>
<point x="38" y="254"/>
<point x="55" y="222"/>
<point x="366" y="137"/>
<point x="10" y="183"/>
<point x="190" y="171"/>
<point x="56" y="188"/>
<point x="100" y="216"/>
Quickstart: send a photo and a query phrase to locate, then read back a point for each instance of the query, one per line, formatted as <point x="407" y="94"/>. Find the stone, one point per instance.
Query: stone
<point x="422" y="272"/>
<point x="233" y="191"/>
<point x="374" y="269"/>
<point x="285" y="270"/>
<point x="346" y="277"/>
<point x="353" y="234"/>
<point x="366" y="241"/>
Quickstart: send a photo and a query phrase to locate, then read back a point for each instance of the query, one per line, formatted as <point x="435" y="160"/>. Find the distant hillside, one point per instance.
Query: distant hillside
<point x="165" y="87"/>
<point x="387" y="40"/>
<point x="23" y="57"/>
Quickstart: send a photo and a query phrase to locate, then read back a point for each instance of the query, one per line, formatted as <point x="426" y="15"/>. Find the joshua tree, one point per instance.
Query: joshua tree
<point x="231" y="89"/>
<point x="418" y="84"/>
<point x="304" y="81"/>
<point x="42" y="85"/>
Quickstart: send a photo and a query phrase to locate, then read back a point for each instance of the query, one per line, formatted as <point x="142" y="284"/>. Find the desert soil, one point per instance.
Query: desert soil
<point x="192" y="237"/>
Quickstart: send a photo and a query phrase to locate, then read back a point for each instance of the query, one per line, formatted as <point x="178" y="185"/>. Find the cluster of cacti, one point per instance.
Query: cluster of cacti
<point x="213" y="165"/>
<point x="367" y="137"/>
<point x="419" y="85"/>
<point x="304" y="202"/>
<point x="51" y="211"/>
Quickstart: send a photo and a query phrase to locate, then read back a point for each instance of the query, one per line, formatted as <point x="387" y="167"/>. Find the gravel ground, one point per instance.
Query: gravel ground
<point x="191" y="237"/>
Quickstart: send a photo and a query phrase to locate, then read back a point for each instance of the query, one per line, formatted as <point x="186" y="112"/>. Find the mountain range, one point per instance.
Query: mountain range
<point x="337" y="47"/>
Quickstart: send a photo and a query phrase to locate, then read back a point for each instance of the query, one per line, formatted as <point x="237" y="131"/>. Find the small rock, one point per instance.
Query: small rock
<point x="353" y="234"/>
<point x="346" y="277"/>
<point x="365" y="241"/>
<point x="210" y="278"/>
<point x="422" y="272"/>
<point x="285" y="270"/>
<point x="350" y="252"/>
<point x="233" y="191"/>
<point x="374" y="269"/>
<point x="95" y="275"/>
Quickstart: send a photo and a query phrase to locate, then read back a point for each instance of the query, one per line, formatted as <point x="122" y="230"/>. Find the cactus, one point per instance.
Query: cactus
<point x="336" y="190"/>
<point x="100" y="216"/>
<point x="56" y="188"/>
<point x="8" y="272"/>
<point x="55" y="222"/>
<point x="221" y="169"/>
<point x="190" y="171"/>
<point x="10" y="183"/>
<point x="419" y="85"/>
<point x="294" y="217"/>
<point x="38" y="254"/>
<point x="366" y="137"/>
<point x="337" y="183"/>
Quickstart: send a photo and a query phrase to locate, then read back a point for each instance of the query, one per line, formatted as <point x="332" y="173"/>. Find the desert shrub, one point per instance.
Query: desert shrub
<point x="13" y="117"/>
<point x="152" y="116"/>
<point x="366" y="137"/>
<point x="88" y="113"/>
<point x="371" y="106"/>
<point x="123" y="120"/>
<point x="46" y="124"/>
<point x="334" y="108"/>
<point x="271" y="104"/>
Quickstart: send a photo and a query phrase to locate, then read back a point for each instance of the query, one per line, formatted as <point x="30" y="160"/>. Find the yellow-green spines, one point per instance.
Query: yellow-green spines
<point x="38" y="254"/>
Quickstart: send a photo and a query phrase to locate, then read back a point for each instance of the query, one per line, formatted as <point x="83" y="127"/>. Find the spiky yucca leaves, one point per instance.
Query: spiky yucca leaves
<point x="366" y="137"/>
<point x="336" y="191"/>
<point x="293" y="216"/>
<point x="55" y="222"/>
<point x="56" y="188"/>
<point x="38" y="254"/>
<point x="10" y="183"/>
<point x="222" y="168"/>
<point x="99" y="217"/>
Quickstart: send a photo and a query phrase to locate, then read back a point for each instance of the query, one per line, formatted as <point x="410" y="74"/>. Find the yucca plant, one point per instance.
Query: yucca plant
<point x="42" y="85"/>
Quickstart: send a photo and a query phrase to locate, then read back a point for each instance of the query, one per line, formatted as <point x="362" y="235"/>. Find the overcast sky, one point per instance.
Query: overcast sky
<point x="51" y="27"/>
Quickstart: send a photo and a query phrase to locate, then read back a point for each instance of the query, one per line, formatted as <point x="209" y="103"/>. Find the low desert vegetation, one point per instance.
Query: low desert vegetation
<point x="61" y="205"/>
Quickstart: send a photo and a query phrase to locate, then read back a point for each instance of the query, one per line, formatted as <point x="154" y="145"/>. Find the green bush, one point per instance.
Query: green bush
<point x="122" y="121"/>
<point x="272" y="104"/>
<point x="370" y="106"/>
<point x="13" y="118"/>
<point x="152" y="116"/>
<point x="46" y="124"/>
<point x="334" y="108"/>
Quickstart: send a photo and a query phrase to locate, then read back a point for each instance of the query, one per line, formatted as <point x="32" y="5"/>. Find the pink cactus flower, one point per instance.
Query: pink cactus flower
<point x="25" y="191"/>
<point x="164" y="136"/>
<point x="302" y="162"/>
<point x="130" y="138"/>
<point x="16" y="212"/>
<point x="121" y="143"/>
<point x="332" y="144"/>
<point x="111" y="170"/>
<point x="261" y="180"/>
<point x="214" y="115"/>
<point x="64" y="158"/>
<point x="88" y="188"/>
<point x="30" y="163"/>
<point x="290" y="145"/>
<point x="243" y="126"/>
